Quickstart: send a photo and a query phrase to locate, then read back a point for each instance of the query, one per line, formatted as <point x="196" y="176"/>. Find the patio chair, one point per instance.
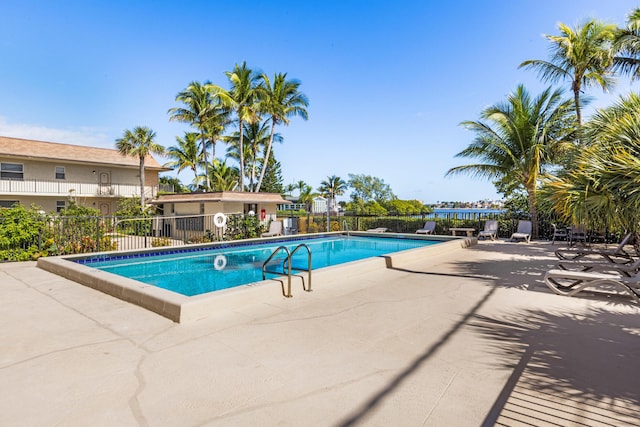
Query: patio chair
<point x="611" y="255"/>
<point x="569" y="283"/>
<point x="524" y="231"/>
<point x="577" y="234"/>
<point x="275" y="229"/>
<point x="429" y="228"/>
<point x="558" y="233"/>
<point x="490" y="230"/>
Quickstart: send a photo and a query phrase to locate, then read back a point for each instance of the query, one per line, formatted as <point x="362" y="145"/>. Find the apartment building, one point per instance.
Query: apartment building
<point x="47" y="174"/>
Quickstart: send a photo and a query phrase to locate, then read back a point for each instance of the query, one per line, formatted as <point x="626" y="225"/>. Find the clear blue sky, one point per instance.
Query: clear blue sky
<point x="388" y="81"/>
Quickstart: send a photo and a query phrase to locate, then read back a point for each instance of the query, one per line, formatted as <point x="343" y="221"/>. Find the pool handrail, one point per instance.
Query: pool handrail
<point x="286" y="268"/>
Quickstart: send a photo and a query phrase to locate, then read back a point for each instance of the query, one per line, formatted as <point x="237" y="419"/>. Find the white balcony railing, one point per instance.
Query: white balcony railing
<point x="32" y="187"/>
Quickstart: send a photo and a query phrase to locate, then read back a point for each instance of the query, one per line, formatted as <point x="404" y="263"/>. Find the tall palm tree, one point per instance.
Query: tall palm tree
<point x="201" y="109"/>
<point x="241" y="98"/>
<point x="185" y="154"/>
<point x="280" y="101"/>
<point x="517" y="140"/>
<point x="582" y="55"/>
<point x="330" y="188"/>
<point x="256" y="136"/>
<point x="627" y="46"/>
<point x="602" y="186"/>
<point x="140" y="143"/>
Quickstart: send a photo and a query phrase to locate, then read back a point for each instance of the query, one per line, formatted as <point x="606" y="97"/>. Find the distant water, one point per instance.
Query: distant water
<point x="463" y="213"/>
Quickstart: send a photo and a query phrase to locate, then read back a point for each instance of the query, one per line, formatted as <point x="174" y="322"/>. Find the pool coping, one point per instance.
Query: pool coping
<point x="182" y="308"/>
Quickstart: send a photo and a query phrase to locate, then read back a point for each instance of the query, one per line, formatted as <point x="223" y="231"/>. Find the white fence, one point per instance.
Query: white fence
<point x="81" y="189"/>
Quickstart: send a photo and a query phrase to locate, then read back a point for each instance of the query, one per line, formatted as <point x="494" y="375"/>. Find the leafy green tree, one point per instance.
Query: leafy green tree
<point x="279" y="100"/>
<point x="256" y="137"/>
<point x="242" y="99"/>
<point x="627" y="47"/>
<point x="366" y="188"/>
<point x="204" y="111"/>
<point x="177" y="185"/>
<point x="272" y="182"/>
<point x="330" y="188"/>
<point x="516" y="141"/>
<point x="306" y="195"/>
<point x="405" y="207"/>
<point x="581" y="55"/>
<point x="185" y="154"/>
<point x="602" y="186"/>
<point x="223" y="176"/>
<point x="139" y="142"/>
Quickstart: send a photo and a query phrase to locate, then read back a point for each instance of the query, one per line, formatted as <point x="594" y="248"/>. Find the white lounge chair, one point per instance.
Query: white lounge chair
<point x="609" y="254"/>
<point x="429" y="228"/>
<point x="569" y="283"/>
<point x="275" y="229"/>
<point x="524" y="231"/>
<point x="490" y="230"/>
<point x="377" y="230"/>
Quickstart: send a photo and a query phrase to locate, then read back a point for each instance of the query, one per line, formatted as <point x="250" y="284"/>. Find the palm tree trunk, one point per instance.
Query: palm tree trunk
<point x="576" y="98"/>
<point x="241" y="152"/>
<point x="531" y="199"/>
<point x="142" y="203"/>
<point x="266" y="156"/>
<point x="207" y="185"/>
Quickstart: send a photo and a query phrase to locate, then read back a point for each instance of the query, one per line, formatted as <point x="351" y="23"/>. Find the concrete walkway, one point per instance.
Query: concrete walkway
<point x="463" y="339"/>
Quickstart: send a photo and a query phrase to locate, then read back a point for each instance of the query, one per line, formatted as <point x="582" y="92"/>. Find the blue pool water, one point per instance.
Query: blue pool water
<point x="197" y="272"/>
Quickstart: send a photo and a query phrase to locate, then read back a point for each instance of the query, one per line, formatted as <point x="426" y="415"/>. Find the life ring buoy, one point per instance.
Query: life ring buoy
<point x="219" y="220"/>
<point x="220" y="262"/>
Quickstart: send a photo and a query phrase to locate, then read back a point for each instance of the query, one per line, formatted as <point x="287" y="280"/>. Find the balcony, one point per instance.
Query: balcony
<point x="32" y="187"/>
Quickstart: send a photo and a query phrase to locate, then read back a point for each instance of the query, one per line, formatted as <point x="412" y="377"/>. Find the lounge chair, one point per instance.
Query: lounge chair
<point x="569" y="283"/>
<point x="625" y="266"/>
<point x="275" y="229"/>
<point x="524" y="231"/>
<point x="558" y="233"/>
<point x="429" y="228"/>
<point x="377" y="230"/>
<point x="610" y="255"/>
<point x="490" y="230"/>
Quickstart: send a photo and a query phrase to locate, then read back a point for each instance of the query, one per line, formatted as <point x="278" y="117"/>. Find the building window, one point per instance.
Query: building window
<point x="11" y="171"/>
<point x="60" y="172"/>
<point x="8" y="203"/>
<point x="60" y="205"/>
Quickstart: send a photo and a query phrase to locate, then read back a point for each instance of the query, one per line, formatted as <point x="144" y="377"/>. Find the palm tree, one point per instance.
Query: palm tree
<point x="279" y="101"/>
<point x="203" y="110"/>
<point x="140" y="143"/>
<point x="602" y="185"/>
<point x="223" y="177"/>
<point x="256" y="136"/>
<point x="582" y="55"/>
<point x="306" y="196"/>
<point x="330" y="188"/>
<point x="518" y="139"/>
<point x="241" y="98"/>
<point x="627" y="47"/>
<point x="185" y="154"/>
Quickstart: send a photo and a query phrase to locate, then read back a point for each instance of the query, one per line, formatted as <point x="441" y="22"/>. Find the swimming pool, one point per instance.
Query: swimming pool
<point x="226" y="259"/>
<point x="197" y="272"/>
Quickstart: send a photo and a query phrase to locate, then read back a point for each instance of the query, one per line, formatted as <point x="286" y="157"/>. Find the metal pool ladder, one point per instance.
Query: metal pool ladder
<point x="287" y="268"/>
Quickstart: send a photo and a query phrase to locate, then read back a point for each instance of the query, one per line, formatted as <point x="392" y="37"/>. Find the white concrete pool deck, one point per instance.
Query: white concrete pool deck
<point x="464" y="338"/>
